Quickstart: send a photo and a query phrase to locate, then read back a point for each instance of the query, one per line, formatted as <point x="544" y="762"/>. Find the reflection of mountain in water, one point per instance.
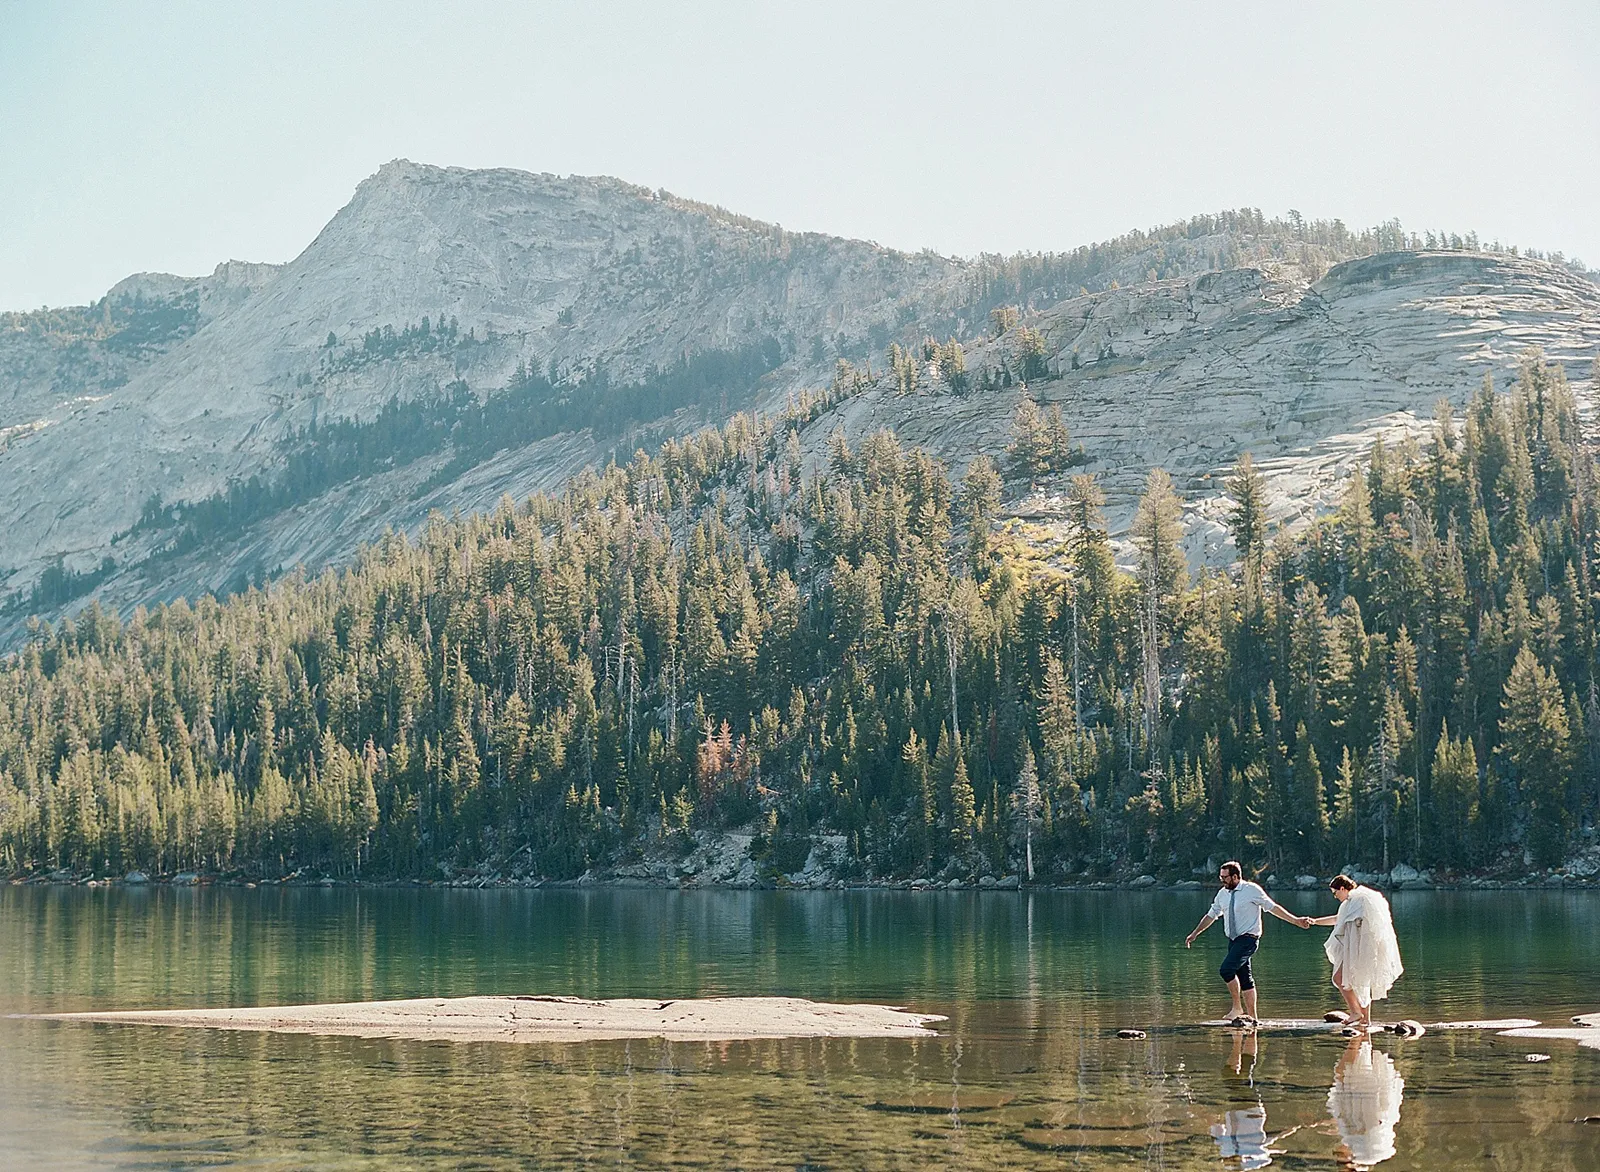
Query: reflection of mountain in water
<point x="1365" y="1104"/>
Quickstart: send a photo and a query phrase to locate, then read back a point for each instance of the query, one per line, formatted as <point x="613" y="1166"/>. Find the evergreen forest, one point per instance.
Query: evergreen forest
<point x="722" y="634"/>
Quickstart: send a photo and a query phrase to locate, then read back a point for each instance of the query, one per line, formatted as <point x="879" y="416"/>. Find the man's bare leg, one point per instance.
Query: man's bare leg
<point x="1233" y="989"/>
<point x="1250" y="1001"/>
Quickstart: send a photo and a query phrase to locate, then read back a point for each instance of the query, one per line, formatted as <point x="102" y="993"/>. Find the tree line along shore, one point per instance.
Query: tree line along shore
<point x="716" y="639"/>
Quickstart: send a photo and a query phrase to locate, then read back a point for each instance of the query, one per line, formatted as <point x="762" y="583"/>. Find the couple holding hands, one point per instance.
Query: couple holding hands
<point x="1362" y="947"/>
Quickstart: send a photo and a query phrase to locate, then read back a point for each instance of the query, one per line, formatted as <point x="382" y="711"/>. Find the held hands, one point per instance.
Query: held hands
<point x="1305" y="921"/>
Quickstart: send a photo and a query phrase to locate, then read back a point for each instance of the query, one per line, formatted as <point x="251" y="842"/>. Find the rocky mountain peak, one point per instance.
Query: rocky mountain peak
<point x="599" y="316"/>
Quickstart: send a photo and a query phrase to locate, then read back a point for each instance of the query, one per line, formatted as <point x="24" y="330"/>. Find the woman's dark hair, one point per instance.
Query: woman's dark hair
<point x="1341" y="883"/>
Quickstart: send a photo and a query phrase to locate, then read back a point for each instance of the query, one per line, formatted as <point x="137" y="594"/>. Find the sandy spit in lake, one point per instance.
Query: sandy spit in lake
<point x="547" y="1019"/>
<point x="1585" y="1032"/>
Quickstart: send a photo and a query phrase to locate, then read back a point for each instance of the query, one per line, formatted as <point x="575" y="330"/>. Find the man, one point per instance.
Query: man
<point x="1239" y="906"/>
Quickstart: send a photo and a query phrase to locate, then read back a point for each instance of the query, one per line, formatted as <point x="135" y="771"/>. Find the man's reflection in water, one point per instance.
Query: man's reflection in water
<point x="1365" y="1104"/>
<point x="1242" y="1134"/>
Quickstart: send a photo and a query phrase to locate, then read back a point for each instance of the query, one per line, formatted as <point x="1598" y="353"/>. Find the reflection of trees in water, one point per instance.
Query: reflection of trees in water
<point x="1365" y="1103"/>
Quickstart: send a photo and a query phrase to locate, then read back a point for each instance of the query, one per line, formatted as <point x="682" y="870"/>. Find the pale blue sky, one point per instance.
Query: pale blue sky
<point x="166" y="135"/>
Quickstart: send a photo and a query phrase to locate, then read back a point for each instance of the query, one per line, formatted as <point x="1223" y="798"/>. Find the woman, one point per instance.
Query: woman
<point x="1362" y="947"/>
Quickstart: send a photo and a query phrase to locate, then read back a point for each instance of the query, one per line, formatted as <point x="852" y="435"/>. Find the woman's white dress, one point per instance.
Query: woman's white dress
<point x="1363" y="947"/>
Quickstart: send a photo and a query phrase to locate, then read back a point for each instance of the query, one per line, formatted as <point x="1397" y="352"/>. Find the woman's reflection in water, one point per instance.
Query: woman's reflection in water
<point x="1365" y="1104"/>
<point x="1242" y="1134"/>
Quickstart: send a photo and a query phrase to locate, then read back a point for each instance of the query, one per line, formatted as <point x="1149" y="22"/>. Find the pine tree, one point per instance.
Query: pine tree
<point x="1535" y="743"/>
<point x="1386" y="782"/>
<point x="1059" y="451"/>
<point x="1058" y="732"/>
<point x="1248" y="516"/>
<point x="1041" y="442"/>
<point x="915" y="756"/>
<point x="1310" y="815"/>
<point x="963" y="807"/>
<point x="1163" y="574"/>
<point x="1091" y="547"/>
<point x="980" y="498"/>
<point x="1026" y="804"/>
<point x="952" y="362"/>
<point x="1032" y="354"/>
<point x="1025" y="452"/>
<point x="1345" y="821"/>
<point x="1157" y="531"/>
<point x="1454" y="792"/>
<point x="1358" y="535"/>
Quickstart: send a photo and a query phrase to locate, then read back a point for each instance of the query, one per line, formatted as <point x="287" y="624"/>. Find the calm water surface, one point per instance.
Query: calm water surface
<point x="1026" y="1074"/>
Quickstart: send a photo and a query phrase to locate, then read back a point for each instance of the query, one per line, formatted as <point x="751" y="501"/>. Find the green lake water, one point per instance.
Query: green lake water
<point x="1027" y="1073"/>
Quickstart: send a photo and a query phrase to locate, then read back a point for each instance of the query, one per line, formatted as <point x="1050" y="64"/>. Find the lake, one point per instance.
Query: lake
<point x="1027" y="1073"/>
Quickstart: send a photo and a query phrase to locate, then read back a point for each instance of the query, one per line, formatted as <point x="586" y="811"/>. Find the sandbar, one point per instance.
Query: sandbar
<point x="545" y="1019"/>
<point x="1585" y="1030"/>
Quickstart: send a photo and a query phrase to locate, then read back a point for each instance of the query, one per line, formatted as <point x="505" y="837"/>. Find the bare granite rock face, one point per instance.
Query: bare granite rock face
<point x="1190" y="374"/>
<point x="571" y="274"/>
<point x="55" y="362"/>
<point x="181" y="387"/>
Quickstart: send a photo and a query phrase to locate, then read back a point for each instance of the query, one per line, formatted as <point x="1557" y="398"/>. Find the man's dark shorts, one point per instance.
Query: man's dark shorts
<point x="1237" y="964"/>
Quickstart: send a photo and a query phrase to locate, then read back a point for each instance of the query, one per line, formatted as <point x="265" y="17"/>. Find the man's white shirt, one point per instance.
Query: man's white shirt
<point x="1240" y="909"/>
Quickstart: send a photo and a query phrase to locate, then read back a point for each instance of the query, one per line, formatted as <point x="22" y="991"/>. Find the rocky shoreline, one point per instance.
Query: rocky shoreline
<point x="719" y="860"/>
<point x="612" y="880"/>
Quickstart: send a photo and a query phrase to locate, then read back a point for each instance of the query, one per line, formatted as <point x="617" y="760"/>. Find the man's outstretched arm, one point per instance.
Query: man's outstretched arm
<point x="1205" y="922"/>
<point x="1289" y="917"/>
